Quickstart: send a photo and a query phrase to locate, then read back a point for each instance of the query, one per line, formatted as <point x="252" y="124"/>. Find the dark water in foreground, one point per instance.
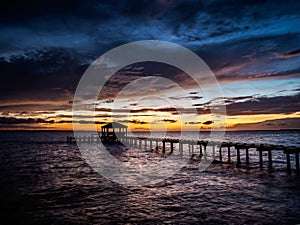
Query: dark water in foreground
<point x="45" y="181"/>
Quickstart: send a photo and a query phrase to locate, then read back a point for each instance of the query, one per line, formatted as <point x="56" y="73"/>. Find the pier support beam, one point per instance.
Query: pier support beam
<point x="172" y="147"/>
<point x="201" y="153"/>
<point x="229" y="154"/>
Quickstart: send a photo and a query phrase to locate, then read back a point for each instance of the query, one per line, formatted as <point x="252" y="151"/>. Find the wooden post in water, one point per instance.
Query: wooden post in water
<point x="140" y="144"/>
<point x="228" y="153"/>
<point x="220" y="153"/>
<point x="164" y="147"/>
<point x="172" y="147"/>
<point x="150" y="144"/>
<point x="201" y="153"/>
<point x="238" y="155"/>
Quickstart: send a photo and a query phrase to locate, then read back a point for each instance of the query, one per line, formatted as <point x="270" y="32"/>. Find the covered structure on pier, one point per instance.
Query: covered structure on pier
<point x="111" y="132"/>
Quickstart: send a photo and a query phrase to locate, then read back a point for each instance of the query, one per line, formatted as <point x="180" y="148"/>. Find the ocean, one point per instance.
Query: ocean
<point x="45" y="180"/>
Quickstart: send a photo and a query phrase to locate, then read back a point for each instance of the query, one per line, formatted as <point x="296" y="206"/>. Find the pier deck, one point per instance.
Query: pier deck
<point x="202" y="146"/>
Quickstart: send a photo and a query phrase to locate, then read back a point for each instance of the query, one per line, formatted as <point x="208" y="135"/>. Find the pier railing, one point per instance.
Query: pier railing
<point x="155" y="143"/>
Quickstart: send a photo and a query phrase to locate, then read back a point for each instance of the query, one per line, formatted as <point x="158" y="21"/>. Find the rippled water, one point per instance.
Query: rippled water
<point x="46" y="181"/>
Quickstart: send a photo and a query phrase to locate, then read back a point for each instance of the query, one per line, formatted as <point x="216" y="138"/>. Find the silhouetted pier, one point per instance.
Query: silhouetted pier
<point x="217" y="150"/>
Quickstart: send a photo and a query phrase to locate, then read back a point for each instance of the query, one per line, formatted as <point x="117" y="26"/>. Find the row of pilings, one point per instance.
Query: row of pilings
<point x="200" y="147"/>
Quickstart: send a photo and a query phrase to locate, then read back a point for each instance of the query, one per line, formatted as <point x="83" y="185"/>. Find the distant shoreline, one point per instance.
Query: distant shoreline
<point x="153" y="131"/>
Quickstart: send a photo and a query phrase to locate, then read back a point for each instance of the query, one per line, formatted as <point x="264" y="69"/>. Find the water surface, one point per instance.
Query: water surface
<point x="46" y="181"/>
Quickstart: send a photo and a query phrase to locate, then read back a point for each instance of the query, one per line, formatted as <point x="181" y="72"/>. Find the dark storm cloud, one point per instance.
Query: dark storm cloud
<point x="169" y="121"/>
<point x="40" y="107"/>
<point x="287" y="123"/>
<point x="12" y="120"/>
<point x="41" y="75"/>
<point x="242" y="105"/>
<point x="292" y="53"/>
<point x="23" y="127"/>
<point x="249" y="105"/>
<point x="104" y="24"/>
<point x="208" y="122"/>
<point x="265" y="105"/>
<point x="172" y="110"/>
<point x="192" y="97"/>
<point x="133" y="121"/>
<point x="46" y="46"/>
<point x="81" y="122"/>
<point x="137" y="71"/>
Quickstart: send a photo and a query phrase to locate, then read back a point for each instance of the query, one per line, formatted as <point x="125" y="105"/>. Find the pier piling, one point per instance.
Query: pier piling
<point x="260" y="148"/>
<point x="238" y="155"/>
<point x="247" y="155"/>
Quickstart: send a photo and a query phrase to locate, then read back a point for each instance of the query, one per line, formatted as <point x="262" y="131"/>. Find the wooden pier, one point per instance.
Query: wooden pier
<point x="200" y="148"/>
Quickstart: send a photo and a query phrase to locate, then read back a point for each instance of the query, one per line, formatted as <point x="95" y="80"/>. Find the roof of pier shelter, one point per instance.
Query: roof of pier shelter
<point x="114" y="125"/>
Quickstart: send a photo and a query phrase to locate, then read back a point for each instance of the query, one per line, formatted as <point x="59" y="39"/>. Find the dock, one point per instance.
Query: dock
<point x="218" y="150"/>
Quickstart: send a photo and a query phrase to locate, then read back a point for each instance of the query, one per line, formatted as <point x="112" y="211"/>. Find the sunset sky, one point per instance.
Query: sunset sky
<point x="251" y="46"/>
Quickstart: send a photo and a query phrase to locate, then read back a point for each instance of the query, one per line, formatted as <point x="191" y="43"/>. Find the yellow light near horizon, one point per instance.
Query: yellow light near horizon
<point x="156" y="123"/>
<point x="257" y="118"/>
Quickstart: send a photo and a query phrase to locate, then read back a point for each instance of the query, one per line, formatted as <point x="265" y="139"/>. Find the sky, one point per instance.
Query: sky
<point x="252" y="47"/>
